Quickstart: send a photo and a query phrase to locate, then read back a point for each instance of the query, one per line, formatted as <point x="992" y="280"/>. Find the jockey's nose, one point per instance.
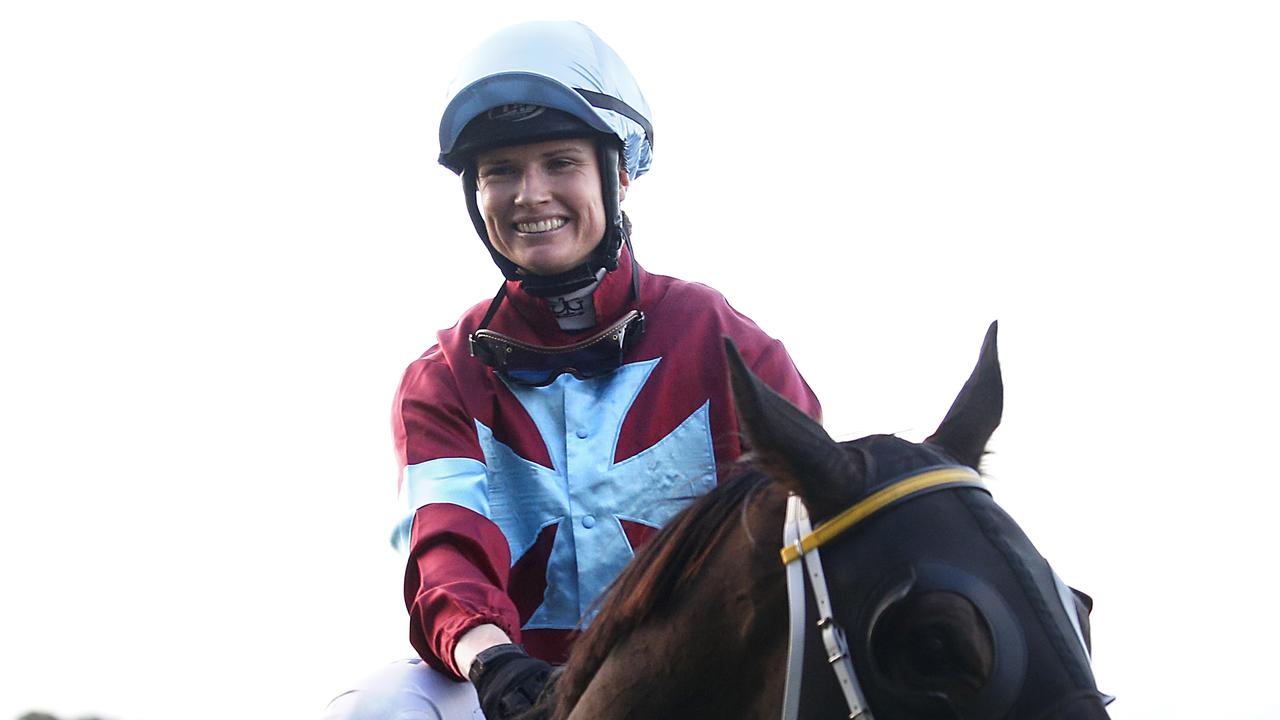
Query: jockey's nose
<point x="534" y="188"/>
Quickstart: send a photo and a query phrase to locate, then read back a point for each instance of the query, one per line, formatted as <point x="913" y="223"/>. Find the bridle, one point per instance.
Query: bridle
<point x="800" y="541"/>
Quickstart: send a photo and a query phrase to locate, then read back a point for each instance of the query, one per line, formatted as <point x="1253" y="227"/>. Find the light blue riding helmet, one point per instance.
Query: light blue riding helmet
<point x="542" y="80"/>
<point x="561" y="65"/>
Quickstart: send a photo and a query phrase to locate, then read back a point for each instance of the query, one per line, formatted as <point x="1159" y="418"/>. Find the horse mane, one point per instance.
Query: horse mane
<point x="665" y="564"/>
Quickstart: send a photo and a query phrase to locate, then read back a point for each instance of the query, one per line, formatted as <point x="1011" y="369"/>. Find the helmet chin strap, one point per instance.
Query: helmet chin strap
<point x="604" y="256"/>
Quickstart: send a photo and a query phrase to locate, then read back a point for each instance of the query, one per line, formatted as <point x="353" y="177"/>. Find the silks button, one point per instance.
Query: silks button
<point x="589" y="521"/>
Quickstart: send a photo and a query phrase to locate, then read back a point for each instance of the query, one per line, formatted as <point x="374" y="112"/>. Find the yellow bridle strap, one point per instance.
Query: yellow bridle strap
<point x="877" y="501"/>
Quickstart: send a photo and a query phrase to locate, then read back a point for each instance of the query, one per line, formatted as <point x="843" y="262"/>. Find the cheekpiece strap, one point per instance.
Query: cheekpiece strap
<point x="833" y="638"/>
<point x="791" y="535"/>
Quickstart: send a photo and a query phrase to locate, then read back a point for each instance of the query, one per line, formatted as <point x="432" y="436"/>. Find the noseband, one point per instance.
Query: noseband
<point x="801" y="542"/>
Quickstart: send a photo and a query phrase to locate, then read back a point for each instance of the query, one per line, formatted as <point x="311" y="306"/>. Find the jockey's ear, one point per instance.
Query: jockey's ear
<point x="624" y="182"/>
<point x="975" y="414"/>
<point x="791" y="447"/>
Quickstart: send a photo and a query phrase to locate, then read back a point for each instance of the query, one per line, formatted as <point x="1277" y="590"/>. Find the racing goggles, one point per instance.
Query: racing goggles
<point x="536" y="366"/>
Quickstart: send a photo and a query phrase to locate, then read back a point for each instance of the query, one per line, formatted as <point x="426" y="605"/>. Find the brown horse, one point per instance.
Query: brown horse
<point x="948" y="609"/>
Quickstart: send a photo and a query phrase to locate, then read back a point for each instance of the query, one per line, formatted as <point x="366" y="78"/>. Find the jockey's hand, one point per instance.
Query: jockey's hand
<point x="508" y="681"/>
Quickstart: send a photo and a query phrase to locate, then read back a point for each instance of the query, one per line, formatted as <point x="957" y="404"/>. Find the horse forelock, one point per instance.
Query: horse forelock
<point x="660" y="569"/>
<point x="889" y="457"/>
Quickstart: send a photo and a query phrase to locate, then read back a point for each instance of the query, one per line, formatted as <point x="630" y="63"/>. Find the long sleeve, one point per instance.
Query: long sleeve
<point x="458" y="561"/>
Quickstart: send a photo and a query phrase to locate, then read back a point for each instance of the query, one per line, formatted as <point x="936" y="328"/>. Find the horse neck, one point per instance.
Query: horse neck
<point x="718" y="650"/>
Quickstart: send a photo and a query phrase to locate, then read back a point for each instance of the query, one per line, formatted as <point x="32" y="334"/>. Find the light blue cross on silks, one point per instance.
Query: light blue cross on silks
<point x="585" y="492"/>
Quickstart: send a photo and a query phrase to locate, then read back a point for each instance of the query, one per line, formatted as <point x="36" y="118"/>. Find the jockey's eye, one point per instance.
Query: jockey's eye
<point x="492" y="171"/>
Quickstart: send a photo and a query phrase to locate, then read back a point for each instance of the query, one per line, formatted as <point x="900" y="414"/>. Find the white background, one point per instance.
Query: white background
<point x="225" y="234"/>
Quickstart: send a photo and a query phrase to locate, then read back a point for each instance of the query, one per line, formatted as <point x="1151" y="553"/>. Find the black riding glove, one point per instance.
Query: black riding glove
<point x="508" y="681"/>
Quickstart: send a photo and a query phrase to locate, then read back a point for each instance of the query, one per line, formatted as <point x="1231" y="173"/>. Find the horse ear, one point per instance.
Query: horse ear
<point x="790" y="446"/>
<point x="975" y="414"/>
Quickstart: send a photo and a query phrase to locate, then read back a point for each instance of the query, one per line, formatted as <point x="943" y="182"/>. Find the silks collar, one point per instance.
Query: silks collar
<point x="531" y="319"/>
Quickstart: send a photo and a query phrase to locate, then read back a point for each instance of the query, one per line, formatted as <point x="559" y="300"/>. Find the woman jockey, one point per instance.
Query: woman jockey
<point x="552" y="430"/>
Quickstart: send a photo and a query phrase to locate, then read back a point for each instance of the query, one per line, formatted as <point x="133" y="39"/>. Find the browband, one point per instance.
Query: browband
<point x="873" y="503"/>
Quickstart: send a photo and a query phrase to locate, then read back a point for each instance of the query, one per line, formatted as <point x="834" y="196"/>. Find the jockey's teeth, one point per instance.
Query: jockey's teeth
<point x="541" y="225"/>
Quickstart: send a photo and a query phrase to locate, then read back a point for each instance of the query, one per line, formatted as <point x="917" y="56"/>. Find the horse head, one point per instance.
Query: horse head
<point x="946" y="608"/>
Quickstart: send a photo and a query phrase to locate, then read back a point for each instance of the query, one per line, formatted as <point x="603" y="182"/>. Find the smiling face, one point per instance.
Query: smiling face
<point x="542" y="203"/>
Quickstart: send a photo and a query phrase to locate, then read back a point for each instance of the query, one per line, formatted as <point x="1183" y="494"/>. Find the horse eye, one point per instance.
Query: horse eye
<point x="940" y="649"/>
<point x="930" y="651"/>
<point x="933" y="642"/>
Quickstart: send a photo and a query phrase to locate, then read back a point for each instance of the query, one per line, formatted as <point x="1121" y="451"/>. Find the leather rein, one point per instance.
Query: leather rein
<point x="800" y="541"/>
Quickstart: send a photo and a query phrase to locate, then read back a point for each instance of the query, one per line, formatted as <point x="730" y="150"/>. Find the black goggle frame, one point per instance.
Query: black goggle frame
<point x="537" y="366"/>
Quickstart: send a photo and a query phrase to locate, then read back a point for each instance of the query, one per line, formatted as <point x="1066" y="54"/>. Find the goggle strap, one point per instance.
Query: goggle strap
<point x="634" y="319"/>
